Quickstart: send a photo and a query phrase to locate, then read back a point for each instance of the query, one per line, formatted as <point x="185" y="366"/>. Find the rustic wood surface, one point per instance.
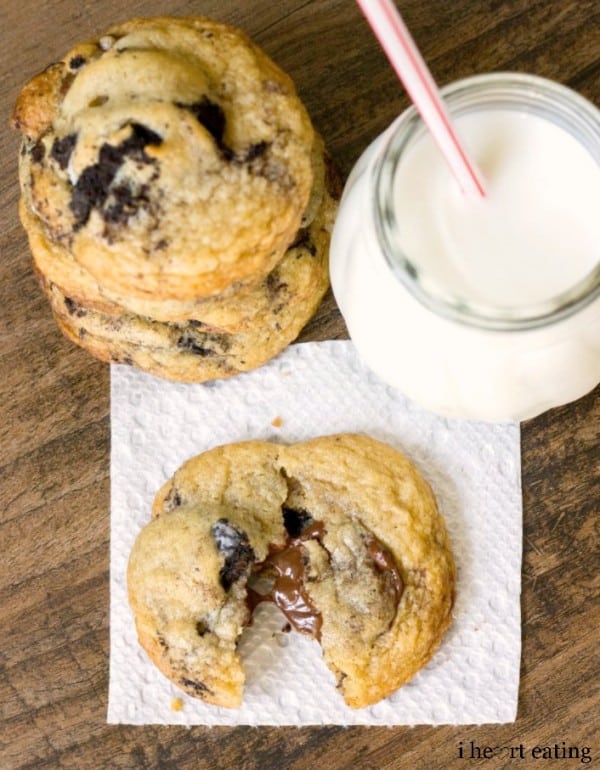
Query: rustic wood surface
<point x="54" y="426"/>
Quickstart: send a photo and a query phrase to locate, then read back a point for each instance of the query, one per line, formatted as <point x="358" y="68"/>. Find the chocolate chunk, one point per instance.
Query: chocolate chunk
<point x="92" y="187"/>
<point x="62" y="149"/>
<point x="76" y="62"/>
<point x="295" y="520"/>
<point x="234" y="545"/>
<point x="385" y="564"/>
<point x="198" y="687"/>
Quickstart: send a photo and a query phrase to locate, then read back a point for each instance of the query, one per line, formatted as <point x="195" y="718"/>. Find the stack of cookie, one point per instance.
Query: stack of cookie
<point x="177" y="200"/>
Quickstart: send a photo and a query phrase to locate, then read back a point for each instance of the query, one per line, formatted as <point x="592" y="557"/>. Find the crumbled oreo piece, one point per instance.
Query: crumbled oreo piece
<point x="62" y="149"/>
<point x="93" y="186"/>
<point x="203" y="343"/>
<point x="125" y="203"/>
<point x="233" y="543"/>
<point x="210" y="115"/>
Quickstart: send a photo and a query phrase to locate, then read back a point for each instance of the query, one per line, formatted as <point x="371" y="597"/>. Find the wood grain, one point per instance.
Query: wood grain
<point x="54" y="426"/>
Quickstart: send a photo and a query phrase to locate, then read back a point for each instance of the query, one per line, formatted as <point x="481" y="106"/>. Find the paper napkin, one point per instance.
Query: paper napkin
<point x="313" y="389"/>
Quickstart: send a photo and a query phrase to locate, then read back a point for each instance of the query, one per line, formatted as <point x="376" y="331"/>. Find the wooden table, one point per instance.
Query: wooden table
<point x="54" y="481"/>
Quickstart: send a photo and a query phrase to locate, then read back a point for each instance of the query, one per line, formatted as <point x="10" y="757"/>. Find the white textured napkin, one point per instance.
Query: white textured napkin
<point x="315" y="389"/>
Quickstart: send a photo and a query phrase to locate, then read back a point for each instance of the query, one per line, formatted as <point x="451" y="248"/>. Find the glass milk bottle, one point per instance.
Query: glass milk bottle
<point x="479" y="308"/>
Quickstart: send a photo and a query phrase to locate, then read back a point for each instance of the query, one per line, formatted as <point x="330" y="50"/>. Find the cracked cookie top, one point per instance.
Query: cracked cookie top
<point x="171" y="156"/>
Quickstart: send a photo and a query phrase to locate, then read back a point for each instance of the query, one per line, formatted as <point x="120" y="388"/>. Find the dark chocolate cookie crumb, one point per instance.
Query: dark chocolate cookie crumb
<point x="255" y="151"/>
<point x="188" y="342"/>
<point x="303" y="241"/>
<point x="235" y="547"/>
<point x="76" y="62"/>
<point x="198" y="687"/>
<point x="295" y="520"/>
<point x="274" y="284"/>
<point x="172" y="500"/>
<point x="38" y="152"/>
<point x="201" y="628"/>
<point x="73" y="308"/>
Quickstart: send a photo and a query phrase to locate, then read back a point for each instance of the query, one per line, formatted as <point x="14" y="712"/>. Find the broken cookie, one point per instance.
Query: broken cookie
<point x="341" y="532"/>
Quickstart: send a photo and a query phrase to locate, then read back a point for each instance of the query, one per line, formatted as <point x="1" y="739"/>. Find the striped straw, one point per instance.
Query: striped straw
<point x="404" y="56"/>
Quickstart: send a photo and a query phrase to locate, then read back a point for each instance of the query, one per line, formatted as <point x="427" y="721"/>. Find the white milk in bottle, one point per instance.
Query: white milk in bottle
<point x="485" y="308"/>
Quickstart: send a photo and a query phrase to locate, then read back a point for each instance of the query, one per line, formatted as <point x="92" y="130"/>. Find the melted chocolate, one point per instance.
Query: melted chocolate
<point x="386" y="564"/>
<point x="286" y="567"/>
<point x="288" y="591"/>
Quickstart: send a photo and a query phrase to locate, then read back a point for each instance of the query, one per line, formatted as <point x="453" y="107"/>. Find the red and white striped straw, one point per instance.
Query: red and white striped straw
<point x="404" y="56"/>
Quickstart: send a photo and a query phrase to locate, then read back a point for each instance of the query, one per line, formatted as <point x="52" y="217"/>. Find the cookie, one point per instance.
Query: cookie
<point x="170" y="157"/>
<point x="233" y="310"/>
<point x="342" y="532"/>
<point x="198" y="350"/>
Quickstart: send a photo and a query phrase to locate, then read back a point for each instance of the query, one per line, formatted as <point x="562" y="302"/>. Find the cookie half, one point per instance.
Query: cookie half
<point x="171" y="157"/>
<point x="341" y="531"/>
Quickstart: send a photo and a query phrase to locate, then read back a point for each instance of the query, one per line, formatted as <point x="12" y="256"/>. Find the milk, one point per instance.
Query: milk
<point x="535" y="234"/>
<point x="479" y="308"/>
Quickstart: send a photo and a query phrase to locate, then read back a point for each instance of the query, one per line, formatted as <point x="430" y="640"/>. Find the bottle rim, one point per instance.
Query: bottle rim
<point x="505" y="90"/>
